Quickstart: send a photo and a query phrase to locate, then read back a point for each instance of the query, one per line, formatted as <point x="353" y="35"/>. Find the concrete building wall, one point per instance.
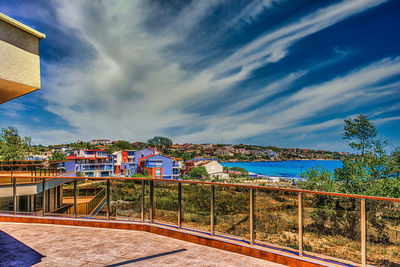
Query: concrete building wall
<point x="165" y="167"/>
<point x="213" y="167"/>
<point x="19" y="57"/>
<point x="143" y="153"/>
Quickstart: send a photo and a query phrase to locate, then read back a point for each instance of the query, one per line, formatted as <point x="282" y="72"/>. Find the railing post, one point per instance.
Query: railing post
<point x="108" y="199"/>
<point x="142" y="203"/>
<point x="251" y="219"/>
<point x="75" y="194"/>
<point x="151" y="201"/>
<point x="300" y="206"/>
<point x="179" y="205"/>
<point x="363" y="233"/>
<point x="14" y="181"/>
<point x="212" y="210"/>
<point x="44" y="206"/>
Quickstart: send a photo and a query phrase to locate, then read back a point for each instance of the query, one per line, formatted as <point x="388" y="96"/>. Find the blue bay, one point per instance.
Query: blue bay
<point x="291" y="168"/>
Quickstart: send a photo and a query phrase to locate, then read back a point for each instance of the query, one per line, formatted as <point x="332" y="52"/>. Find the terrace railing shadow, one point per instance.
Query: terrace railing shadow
<point x="15" y="253"/>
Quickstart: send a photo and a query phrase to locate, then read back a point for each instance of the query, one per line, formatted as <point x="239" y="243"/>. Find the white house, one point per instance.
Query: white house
<point x="215" y="169"/>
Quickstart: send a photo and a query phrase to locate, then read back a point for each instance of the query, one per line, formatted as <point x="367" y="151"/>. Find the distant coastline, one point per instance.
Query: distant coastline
<point x="278" y="160"/>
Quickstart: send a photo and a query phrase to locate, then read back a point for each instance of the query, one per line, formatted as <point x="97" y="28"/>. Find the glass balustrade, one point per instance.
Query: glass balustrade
<point x="276" y="218"/>
<point x="331" y="224"/>
<point x="166" y="202"/>
<point x="126" y="198"/>
<point x="383" y="233"/>
<point x="196" y="206"/>
<point x="231" y="218"/>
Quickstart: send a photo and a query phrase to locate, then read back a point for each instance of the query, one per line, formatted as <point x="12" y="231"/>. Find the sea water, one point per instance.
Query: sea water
<point x="287" y="169"/>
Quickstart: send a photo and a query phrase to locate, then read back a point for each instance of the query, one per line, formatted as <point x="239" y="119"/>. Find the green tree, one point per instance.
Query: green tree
<point x="360" y="133"/>
<point x="123" y="145"/>
<point x="319" y="179"/>
<point x="82" y="145"/>
<point x="239" y="169"/>
<point x="161" y="143"/>
<point x="12" y="145"/>
<point x="57" y="156"/>
<point x="119" y="145"/>
<point x="396" y="160"/>
<point x="199" y="173"/>
<point x="186" y="156"/>
<point x="373" y="172"/>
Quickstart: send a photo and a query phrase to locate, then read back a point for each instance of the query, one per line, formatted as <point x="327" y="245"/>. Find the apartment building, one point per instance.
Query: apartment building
<point x="156" y="165"/>
<point x="93" y="163"/>
<point x="100" y="142"/>
<point x="66" y="150"/>
<point x="124" y="162"/>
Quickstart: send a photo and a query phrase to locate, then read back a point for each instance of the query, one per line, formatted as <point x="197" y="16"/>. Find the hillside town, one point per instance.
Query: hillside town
<point x="103" y="157"/>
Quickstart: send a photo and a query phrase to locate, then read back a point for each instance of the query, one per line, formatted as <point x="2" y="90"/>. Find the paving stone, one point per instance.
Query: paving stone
<point x="57" y="245"/>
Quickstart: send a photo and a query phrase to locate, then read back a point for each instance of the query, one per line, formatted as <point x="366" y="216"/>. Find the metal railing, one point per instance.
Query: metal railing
<point x="353" y="229"/>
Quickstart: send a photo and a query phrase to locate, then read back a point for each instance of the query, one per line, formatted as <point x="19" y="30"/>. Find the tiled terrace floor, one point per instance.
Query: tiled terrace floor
<point x="55" y="245"/>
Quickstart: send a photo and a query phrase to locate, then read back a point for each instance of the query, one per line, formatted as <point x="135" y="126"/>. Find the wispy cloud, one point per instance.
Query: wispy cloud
<point x="136" y="83"/>
<point x="347" y="92"/>
<point x="12" y="109"/>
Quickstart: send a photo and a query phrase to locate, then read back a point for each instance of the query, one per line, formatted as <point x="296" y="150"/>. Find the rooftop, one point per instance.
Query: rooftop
<point x="22" y="26"/>
<point x="57" y="245"/>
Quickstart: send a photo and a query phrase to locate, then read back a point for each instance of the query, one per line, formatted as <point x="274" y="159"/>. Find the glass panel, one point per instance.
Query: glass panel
<point x="232" y="211"/>
<point x="38" y="203"/>
<point x="6" y="202"/>
<point x="126" y="196"/>
<point x="25" y="190"/>
<point x="57" y="207"/>
<point x="383" y="233"/>
<point x="91" y="194"/>
<point x="196" y="206"/>
<point x="6" y="193"/>
<point x="276" y="217"/>
<point x="147" y="201"/>
<point x="332" y="226"/>
<point x="166" y="202"/>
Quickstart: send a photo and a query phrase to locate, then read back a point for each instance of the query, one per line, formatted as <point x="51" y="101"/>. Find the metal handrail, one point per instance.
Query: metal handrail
<point x="221" y="184"/>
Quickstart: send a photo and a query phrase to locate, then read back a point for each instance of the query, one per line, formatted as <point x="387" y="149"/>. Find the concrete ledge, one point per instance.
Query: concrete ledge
<point x="220" y="242"/>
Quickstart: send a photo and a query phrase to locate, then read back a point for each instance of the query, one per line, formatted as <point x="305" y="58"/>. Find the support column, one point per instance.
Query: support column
<point x="179" y="205"/>
<point x="108" y="199"/>
<point x="151" y="201"/>
<point x="363" y="233"/>
<point x="75" y="195"/>
<point x="251" y="219"/>
<point x="300" y="206"/>
<point x="44" y="205"/>
<point x="212" y="210"/>
<point x="142" y="202"/>
<point x="14" y="183"/>
<point x="32" y="201"/>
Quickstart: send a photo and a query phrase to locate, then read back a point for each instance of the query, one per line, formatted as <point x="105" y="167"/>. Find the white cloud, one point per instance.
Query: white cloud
<point x="288" y="112"/>
<point x="12" y="109"/>
<point x="134" y="89"/>
<point x="384" y="120"/>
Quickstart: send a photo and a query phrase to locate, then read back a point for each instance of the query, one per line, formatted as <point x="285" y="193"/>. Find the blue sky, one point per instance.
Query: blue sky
<point x="268" y="72"/>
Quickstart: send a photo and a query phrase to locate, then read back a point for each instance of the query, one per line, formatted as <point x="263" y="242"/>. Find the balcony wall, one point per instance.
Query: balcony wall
<point x="19" y="57"/>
